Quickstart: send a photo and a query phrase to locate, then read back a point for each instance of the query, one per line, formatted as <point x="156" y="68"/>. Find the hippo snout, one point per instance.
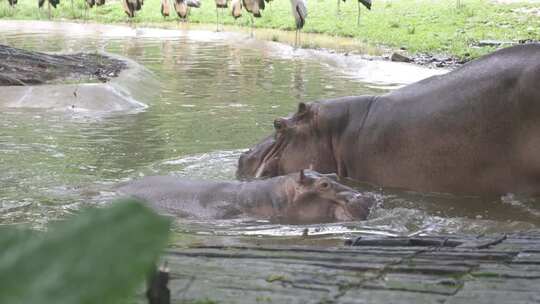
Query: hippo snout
<point x="356" y="204"/>
<point x="251" y="161"/>
<point x="240" y="171"/>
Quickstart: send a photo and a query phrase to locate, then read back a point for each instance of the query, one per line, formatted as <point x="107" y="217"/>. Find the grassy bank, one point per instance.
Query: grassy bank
<point x="415" y="25"/>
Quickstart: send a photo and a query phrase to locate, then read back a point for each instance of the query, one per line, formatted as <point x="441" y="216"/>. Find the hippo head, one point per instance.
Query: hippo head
<point x="302" y="140"/>
<point x="317" y="198"/>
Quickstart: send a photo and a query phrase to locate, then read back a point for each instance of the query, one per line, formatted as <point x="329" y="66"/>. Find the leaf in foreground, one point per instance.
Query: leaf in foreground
<point x="99" y="256"/>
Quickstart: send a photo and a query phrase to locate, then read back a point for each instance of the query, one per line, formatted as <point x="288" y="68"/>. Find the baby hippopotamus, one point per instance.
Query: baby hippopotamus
<point x="297" y="198"/>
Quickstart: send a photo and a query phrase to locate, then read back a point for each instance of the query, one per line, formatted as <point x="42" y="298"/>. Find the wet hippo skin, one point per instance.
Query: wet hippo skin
<point x="304" y="197"/>
<point x="475" y="130"/>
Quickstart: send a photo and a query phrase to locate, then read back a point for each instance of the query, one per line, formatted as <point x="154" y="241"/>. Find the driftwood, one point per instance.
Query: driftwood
<point x="447" y="269"/>
<point x="21" y="67"/>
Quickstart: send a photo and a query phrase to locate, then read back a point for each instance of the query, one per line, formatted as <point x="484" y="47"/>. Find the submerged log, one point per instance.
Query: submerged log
<point x="446" y="269"/>
<point x="21" y="67"/>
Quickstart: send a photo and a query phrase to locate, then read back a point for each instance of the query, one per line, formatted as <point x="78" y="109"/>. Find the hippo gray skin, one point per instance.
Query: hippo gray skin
<point x="475" y="130"/>
<point x="297" y="198"/>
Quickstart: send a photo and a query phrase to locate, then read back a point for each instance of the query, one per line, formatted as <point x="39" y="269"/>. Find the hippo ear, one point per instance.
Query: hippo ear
<point x="301" y="177"/>
<point x="302" y="108"/>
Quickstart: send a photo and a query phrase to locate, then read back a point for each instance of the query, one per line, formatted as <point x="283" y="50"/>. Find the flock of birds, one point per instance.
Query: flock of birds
<point x="182" y="8"/>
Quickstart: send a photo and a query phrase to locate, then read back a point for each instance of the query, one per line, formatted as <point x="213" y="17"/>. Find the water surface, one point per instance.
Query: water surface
<point x="216" y="94"/>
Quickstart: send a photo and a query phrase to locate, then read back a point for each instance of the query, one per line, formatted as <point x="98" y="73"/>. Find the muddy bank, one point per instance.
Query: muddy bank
<point x="450" y="62"/>
<point x="21" y="67"/>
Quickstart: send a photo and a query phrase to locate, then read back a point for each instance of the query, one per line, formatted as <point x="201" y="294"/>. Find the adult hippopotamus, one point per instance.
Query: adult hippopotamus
<point x="303" y="197"/>
<point x="475" y="130"/>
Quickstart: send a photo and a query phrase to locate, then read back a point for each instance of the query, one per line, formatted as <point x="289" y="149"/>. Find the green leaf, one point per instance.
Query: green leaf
<point x="98" y="256"/>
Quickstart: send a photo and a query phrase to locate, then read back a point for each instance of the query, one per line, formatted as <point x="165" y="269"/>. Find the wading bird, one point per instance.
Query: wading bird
<point x="193" y="3"/>
<point x="220" y="5"/>
<point x="299" y="11"/>
<point x="131" y="6"/>
<point x="12" y="4"/>
<point x="367" y="4"/>
<point x="182" y="7"/>
<point x="50" y="3"/>
<point x="89" y="4"/>
<point x="254" y="7"/>
<point x="236" y="8"/>
<point x="165" y="8"/>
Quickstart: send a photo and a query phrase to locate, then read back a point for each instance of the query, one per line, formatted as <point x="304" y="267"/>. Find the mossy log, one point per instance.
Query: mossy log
<point x="445" y="269"/>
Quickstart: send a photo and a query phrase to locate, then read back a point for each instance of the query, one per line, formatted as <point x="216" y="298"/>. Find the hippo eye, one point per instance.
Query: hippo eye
<point x="325" y="185"/>
<point x="278" y="124"/>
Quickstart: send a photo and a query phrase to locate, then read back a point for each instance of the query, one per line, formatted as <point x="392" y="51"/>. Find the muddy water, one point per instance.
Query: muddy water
<point x="215" y="95"/>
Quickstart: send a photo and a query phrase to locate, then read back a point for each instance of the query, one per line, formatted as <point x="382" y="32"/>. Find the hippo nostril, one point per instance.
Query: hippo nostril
<point x="355" y="197"/>
<point x="348" y="197"/>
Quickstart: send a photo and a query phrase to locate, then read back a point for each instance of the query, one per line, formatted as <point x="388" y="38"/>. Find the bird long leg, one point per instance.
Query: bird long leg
<point x="296" y="39"/>
<point x="252" y="24"/>
<point x="217" y="19"/>
<point x="223" y="11"/>
<point x="358" y="18"/>
<point x="221" y="18"/>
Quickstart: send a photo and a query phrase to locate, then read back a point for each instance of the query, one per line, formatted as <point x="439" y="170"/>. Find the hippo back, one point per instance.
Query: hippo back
<point x="474" y="130"/>
<point x="185" y="198"/>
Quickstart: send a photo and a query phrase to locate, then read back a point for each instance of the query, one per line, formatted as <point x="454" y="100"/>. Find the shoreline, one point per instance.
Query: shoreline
<point x="427" y="32"/>
<point x="343" y="46"/>
<point x="322" y="42"/>
<point x="373" y="69"/>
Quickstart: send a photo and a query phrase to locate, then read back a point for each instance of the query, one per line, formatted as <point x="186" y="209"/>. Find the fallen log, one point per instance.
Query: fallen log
<point x="20" y="67"/>
<point x="431" y="269"/>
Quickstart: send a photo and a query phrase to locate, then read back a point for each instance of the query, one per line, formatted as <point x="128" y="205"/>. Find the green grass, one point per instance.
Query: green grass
<point x="416" y="25"/>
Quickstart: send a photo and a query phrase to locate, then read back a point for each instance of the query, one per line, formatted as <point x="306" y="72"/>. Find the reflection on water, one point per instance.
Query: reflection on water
<point x="214" y="99"/>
